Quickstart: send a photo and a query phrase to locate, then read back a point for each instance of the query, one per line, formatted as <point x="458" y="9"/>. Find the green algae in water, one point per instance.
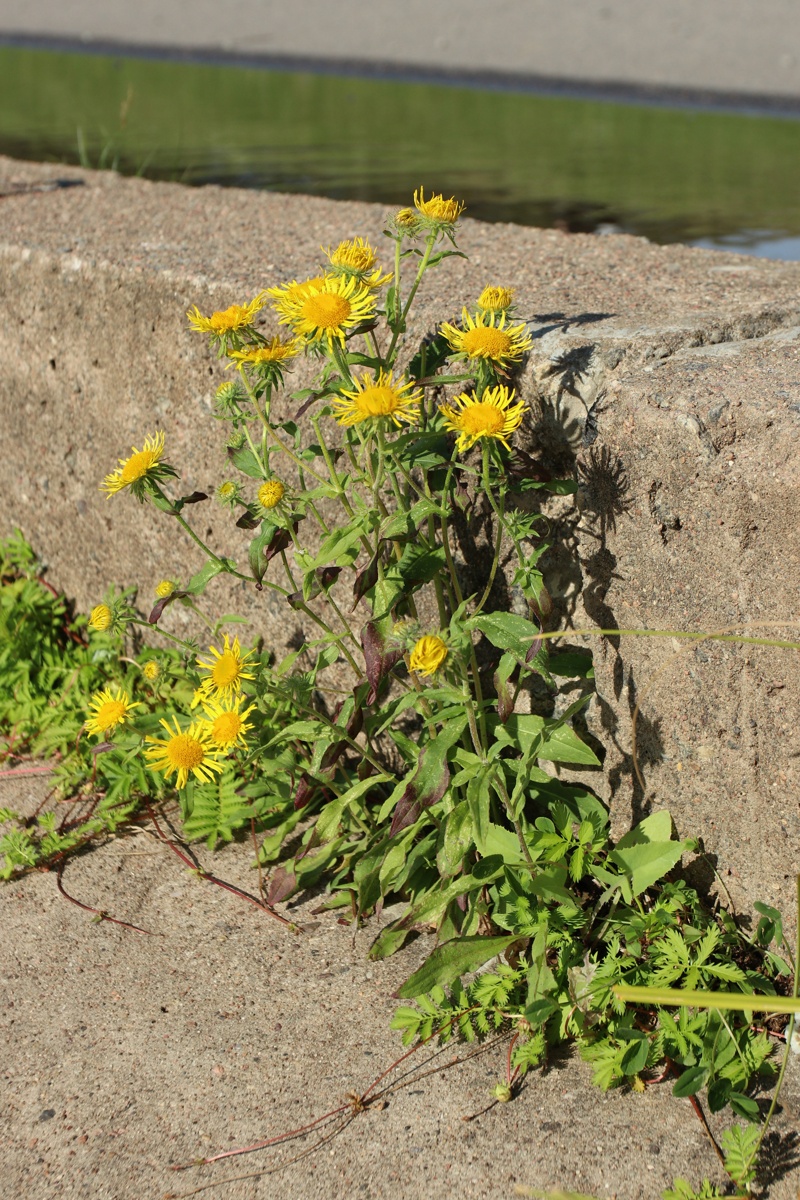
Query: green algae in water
<point x="672" y="175"/>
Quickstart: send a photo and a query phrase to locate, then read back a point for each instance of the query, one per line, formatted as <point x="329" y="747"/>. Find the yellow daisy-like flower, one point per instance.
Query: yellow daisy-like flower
<point x="376" y="398"/>
<point x="276" y="351"/>
<point x="428" y="655"/>
<point x="271" y="493"/>
<point x="226" y="669"/>
<point x="138" y="467"/>
<point x="227" y="724"/>
<point x="486" y="337"/>
<point x="109" y="709"/>
<point x="356" y="259"/>
<point x="232" y="320"/>
<point x="496" y="299"/>
<point x="436" y="211"/>
<point x="329" y="311"/>
<point x="184" y="751"/>
<point x="493" y="416"/>
<point x="165" y="588"/>
<point x="295" y="290"/>
<point x="100" y="618"/>
<point x="151" y="670"/>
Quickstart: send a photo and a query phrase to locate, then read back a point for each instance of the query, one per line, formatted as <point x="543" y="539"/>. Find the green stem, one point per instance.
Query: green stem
<point x="789" y="1031"/>
<point x="499" y="513"/>
<point x="404" y="312"/>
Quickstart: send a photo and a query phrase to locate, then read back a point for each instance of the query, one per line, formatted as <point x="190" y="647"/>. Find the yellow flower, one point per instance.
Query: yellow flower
<point x="184" y="751"/>
<point x="486" y="337"/>
<point x="267" y="355"/>
<point x="295" y="291"/>
<point x="165" y="588"/>
<point x="141" y="465"/>
<point x="406" y="218"/>
<point x="231" y="320"/>
<point x="496" y="299"/>
<point x="227" y="725"/>
<point x="109" y="709"/>
<point x="356" y="259"/>
<point x="436" y="211"/>
<point x="271" y="493"/>
<point x="228" y="493"/>
<point x="151" y="670"/>
<point x="226" y="669"/>
<point x="376" y="398"/>
<point x="493" y="416"/>
<point x="428" y="655"/>
<point x="100" y="618"/>
<point x="327" y="312"/>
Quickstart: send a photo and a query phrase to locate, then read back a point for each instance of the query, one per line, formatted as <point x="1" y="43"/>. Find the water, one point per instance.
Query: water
<point x="713" y="179"/>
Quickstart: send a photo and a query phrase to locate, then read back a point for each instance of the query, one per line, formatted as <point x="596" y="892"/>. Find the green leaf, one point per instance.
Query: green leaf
<point x="246" y="462"/>
<point x="634" y="1059"/>
<point x="450" y="960"/>
<point x="255" y="553"/>
<point x="456" y="839"/>
<point x="332" y="813"/>
<point x="506" y="631"/>
<point x="690" y="1081"/>
<point x="198" y="583"/>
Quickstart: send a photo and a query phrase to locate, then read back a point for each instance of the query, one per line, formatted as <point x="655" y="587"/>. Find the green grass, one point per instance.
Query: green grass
<point x="672" y="175"/>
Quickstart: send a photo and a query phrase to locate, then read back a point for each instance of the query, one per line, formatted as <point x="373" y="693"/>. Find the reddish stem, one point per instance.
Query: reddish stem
<point x="209" y="878"/>
<point x="101" y="913"/>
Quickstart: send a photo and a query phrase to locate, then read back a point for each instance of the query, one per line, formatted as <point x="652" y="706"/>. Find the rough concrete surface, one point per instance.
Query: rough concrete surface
<point x="669" y="380"/>
<point x="734" y="46"/>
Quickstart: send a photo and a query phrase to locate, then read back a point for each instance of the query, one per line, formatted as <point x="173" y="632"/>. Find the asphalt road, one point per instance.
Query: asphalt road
<point x="747" y="48"/>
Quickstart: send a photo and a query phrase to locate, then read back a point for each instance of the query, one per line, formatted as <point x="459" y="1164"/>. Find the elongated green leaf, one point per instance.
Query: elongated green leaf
<point x="456" y="839"/>
<point x="646" y="864"/>
<point x="450" y="960"/>
<point x="331" y="815"/>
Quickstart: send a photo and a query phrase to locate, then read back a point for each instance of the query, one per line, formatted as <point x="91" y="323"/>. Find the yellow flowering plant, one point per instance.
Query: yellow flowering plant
<point x="405" y="750"/>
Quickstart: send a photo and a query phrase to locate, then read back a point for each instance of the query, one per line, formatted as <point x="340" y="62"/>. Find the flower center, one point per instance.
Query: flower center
<point x="377" y="401"/>
<point x="226" y="670"/>
<point x="110" y="714"/>
<point x="326" y="310"/>
<point x="226" y="727"/>
<point x="231" y="318"/>
<point x="137" y="465"/>
<point x="185" y="751"/>
<point x="486" y="342"/>
<point x="481" y="420"/>
<point x="270" y="493"/>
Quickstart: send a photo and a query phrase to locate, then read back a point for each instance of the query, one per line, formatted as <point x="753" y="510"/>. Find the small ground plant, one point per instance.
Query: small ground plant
<point x="397" y="752"/>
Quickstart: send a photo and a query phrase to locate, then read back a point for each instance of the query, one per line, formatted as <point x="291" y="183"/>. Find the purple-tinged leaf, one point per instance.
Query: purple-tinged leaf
<point x="378" y="661"/>
<point x="160" y="605"/>
<point x="281" y="886"/>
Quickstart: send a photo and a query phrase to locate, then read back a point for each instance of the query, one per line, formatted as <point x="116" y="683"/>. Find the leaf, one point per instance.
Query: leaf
<point x="332" y="813"/>
<point x="198" y="583"/>
<point x="690" y="1081"/>
<point x="456" y="839"/>
<point x="377" y="660"/>
<point x="506" y="631"/>
<point x="246" y="462"/>
<point x="634" y="1059"/>
<point x="255" y="552"/>
<point x="647" y="862"/>
<point x="430" y="778"/>
<point x="450" y="960"/>
<point x="281" y="885"/>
